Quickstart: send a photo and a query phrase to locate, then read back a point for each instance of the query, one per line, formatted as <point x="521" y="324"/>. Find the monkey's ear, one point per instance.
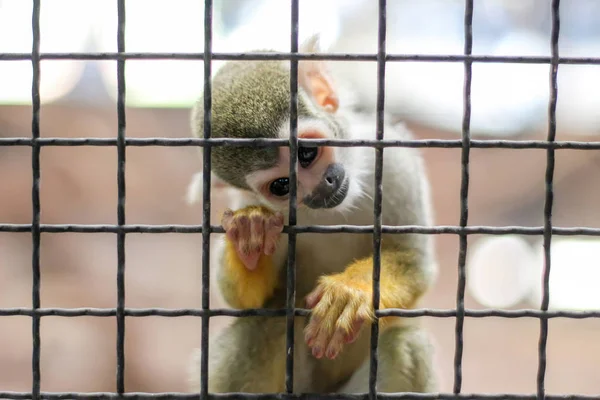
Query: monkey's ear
<point x="315" y="79"/>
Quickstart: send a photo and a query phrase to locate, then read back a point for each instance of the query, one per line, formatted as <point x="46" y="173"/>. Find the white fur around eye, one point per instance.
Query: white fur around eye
<point x="259" y="179"/>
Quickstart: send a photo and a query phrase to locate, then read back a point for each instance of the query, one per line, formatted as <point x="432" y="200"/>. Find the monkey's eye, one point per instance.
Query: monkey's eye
<point x="306" y="155"/>
<point x="280" y="187"/>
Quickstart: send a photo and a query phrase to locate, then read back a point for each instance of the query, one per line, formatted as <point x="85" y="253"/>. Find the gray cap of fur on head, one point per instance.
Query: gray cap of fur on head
<point x="250" y="99"/>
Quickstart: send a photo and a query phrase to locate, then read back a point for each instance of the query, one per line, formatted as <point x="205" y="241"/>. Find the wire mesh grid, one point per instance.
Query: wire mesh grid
<point x="121" y="229"/>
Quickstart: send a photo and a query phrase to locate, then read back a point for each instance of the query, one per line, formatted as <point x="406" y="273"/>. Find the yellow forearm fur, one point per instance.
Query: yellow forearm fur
<point x="244" y="288"/>
<point x="399" y="286"/>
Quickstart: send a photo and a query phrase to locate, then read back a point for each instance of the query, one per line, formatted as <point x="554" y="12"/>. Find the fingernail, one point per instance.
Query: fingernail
<point x="317" y="352"/>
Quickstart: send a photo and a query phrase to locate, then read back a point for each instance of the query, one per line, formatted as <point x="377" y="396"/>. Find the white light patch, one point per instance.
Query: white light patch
<point x="578" y="105"/>
<point x="64" y="27"/>
<point x="574" y="274"/>
<point x="499" y="271"/>
<point x="154" y="27"/>
<point x="179" y="28"/>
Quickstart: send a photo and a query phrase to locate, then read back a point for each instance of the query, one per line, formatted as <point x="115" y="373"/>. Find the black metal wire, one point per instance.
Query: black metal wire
<point x="121" y="155"/>
<point x="274" y="312"/>
<point x="120" y="312"/>
<point x="206" y="182"/>
<point x="541" y="374"/>
<point x="301" y="56"/>
<point x="464" y="195"/>
<point x="35" y="199"/>
<point x="422" y="230"/>
<point x="291" y="262"/>
<point x="216" y="142"/>
<point x="285" y="396"/>
<point x="378" y="194"/>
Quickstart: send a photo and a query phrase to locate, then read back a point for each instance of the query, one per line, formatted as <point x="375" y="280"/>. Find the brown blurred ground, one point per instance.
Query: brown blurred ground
<point x="163" y="270"/>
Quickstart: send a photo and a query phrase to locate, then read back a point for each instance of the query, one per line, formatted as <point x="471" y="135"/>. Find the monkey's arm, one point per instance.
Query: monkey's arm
<point x="402" y="282"/>
<point x="249" y="256"/>
<point x="342" y="303"/>
<point x="242" y="288"/>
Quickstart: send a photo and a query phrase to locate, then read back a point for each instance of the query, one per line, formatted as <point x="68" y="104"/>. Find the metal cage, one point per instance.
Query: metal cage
<point x="121" y="229"/>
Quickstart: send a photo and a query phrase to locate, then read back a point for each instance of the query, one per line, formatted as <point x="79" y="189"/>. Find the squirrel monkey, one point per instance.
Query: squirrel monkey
<point x="250" y="99"/>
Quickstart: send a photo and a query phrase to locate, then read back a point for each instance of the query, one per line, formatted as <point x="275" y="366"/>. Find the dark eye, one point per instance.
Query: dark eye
<point x="280" y="187"/>
<point x="306" y="155"/>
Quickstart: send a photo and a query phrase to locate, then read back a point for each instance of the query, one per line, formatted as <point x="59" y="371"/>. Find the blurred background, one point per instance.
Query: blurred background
<point x="78" y="184"/>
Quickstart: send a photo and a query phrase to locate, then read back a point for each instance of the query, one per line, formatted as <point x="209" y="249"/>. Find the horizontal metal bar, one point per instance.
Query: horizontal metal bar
<point x="284" y="396"/>
<point x="215" y="142"/>
<point x="471" y="313"/>
<point x="435" y="230"/>
<point x="145" y="312"/>
<point x="276" y="312"/>
<point x="300" y="56"/>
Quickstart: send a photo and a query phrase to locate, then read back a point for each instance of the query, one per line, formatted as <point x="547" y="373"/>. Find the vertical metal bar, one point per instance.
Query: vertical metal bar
<point x="121" y="150"/>
<point x="206" y="174"/>
<point x="35" y="199"/>
<point x="541" y="375"/>
<point x="377" y="200"/>
<point x="291" y="264"/>
<point x="464" y="194"/>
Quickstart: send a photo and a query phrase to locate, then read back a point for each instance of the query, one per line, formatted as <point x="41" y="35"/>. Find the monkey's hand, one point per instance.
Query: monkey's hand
<point x="340" y="305"/>
<point x="343" y="302"/>
<point x="251" y="238"/>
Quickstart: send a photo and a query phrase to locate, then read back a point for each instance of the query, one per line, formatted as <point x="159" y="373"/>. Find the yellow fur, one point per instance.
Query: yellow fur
<point x="354" y="287"/>
<point x="251" y="288"/>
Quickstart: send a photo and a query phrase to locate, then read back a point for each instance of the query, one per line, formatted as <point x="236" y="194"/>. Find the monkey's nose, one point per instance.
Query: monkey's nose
<point x="334" y="176"/>
<point x="331" y="191"/>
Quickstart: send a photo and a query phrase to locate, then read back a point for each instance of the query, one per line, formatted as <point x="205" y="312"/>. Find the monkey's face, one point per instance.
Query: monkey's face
<point x="323" y="181"/>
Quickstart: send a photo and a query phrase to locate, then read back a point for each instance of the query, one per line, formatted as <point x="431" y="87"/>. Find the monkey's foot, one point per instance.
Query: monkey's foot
<point x="253" y="231"/>
<point x="340" y="305"/>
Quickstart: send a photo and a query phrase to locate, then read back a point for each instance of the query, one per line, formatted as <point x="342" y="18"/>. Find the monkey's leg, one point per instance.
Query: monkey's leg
<point x="250" y="356"/>
<point x="405" y="364"/>
<point x="247" y="356"/>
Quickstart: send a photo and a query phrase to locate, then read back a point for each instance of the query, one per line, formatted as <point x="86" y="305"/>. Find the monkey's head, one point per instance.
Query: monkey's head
<point x="251" y="99"/>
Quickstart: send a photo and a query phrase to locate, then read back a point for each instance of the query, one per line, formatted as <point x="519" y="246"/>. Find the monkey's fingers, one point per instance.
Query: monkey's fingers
<point x="315" y="333"/>
<point x="314" y="297"/>
<point x="250" y="260"/>
<point x="257" y="232"/>
<point x="278" y="220"/>
<point x="249" y="241"/>
<point x="353" y="335"/>
<point x="273" y="228"/>
<point x="232" y="234"/>
<point x="311" y="330"/>
<point x="321" y="330"/>
<point x="341" y="338"/>
<point x="325" y="322"/>
<point x="347" y="328"/>
<point x="329" y="333"/>
<point x="227" y="219"/>
<point x="336" y="341"/>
